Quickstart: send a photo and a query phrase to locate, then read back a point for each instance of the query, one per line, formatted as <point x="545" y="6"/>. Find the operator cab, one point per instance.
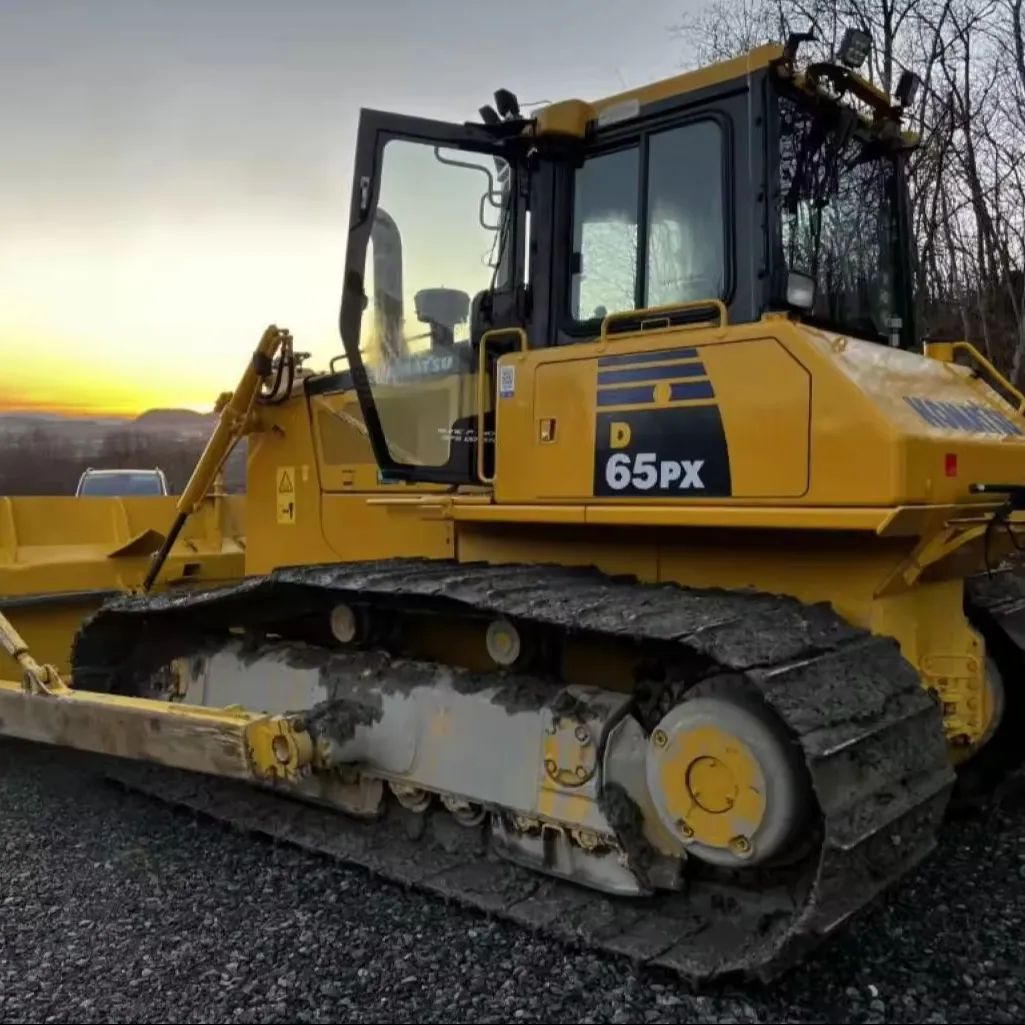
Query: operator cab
<point x="720" y="195"/>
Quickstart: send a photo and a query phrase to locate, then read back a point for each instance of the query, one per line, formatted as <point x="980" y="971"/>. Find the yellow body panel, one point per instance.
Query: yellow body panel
<point x="335" y="474"/>
<point x="691" y="81"/>
<point x="564" y="392"/>
<point x="809" y="419"/>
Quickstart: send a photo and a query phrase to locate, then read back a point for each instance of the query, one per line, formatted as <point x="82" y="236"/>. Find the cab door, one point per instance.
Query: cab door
<point x="435" y="234"/>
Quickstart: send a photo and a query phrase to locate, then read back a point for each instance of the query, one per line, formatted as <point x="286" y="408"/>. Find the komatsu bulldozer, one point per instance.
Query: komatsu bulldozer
<point x="646" y="585"/>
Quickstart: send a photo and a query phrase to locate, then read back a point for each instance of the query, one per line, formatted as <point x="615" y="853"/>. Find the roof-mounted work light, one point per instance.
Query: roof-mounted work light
<point x="907" y="89"/>
<point x="854" y="48"/>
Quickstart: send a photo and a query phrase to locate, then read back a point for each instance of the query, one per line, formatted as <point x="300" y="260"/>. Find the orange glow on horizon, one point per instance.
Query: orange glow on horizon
<point x="55" y="379"/>
<point x="107" y="404"/>
<point x="87" y="411"/>
<point x="158" y="315"/>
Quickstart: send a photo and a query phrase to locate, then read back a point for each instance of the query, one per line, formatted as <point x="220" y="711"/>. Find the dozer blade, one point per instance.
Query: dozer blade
<point x="223" y="742"/>
<point x="868" y="739"/>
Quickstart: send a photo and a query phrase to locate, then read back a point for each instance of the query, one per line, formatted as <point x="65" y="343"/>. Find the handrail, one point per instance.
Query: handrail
<point x="482" y="378"/>
<point x="665" y="312"/>
<point x="944" y="352"/>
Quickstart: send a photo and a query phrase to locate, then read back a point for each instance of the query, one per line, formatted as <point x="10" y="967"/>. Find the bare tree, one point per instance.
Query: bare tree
<point x="41" y="462"/>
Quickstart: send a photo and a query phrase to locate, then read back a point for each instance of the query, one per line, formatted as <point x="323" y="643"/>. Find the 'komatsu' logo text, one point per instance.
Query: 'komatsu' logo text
<point x="963" y="416"/>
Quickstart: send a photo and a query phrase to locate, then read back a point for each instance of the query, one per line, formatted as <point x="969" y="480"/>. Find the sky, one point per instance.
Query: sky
<point x="175" y="174"/>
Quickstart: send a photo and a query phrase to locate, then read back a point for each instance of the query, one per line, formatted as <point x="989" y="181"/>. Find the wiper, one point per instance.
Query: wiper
<point x="847" y="121"/>
<point x="810" y="145"/>
<point x="830" y="138"/>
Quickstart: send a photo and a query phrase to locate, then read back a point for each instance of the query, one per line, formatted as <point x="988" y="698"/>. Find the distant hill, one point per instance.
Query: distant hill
<point x="172" y="421"/>
<point x="187" y="420"/>
<point x="29" y="420"/>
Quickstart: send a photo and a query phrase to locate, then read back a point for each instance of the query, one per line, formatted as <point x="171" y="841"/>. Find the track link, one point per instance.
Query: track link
<point x="872" y="738"/>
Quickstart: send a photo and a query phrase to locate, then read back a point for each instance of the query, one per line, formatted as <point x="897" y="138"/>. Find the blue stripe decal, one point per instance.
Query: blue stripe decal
<point x="633" y="358"/>
<point x="691" y="390"/>
<point x="626" y="396"/>
<point x="634" y="375"/>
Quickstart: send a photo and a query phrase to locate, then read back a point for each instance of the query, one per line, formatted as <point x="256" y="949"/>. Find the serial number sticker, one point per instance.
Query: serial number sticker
<point x="646" y="471"/>
<point x="464" y="435"/>
<point x="506" y="381"/>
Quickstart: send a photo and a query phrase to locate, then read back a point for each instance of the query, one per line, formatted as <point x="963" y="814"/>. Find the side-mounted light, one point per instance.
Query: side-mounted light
<point x="793" y="43"/>
<point x="800" y="290"/>
<point x="907" y="89"/>
<point x="507" y="104"/>
<point x="854" y="48"/>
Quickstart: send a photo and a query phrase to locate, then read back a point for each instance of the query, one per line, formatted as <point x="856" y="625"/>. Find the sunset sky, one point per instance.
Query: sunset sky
<point x="176" y="173"/>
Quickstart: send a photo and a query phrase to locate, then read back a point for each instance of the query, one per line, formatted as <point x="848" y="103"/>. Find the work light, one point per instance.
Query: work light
<point x="854" y="48"/>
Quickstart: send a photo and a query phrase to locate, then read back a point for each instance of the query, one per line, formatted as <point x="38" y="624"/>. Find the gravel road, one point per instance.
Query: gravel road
<point x="114" y="909"/>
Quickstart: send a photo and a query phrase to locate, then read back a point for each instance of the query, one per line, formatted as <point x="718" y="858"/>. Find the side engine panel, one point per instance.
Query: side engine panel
<point x="662" y="422"/>
<point x="767" y="413"/>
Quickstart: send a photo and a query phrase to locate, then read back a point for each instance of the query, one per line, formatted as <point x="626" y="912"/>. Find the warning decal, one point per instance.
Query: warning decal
<point x="286" y="494"/>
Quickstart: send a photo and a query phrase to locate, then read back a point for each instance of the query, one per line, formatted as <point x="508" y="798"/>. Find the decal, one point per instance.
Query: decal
<point x="631" y="359"/>
<point x="679" y="452"/>
<point x="421" y="365"/>
<point x="465" y="435"/>
<point x="645" y="470"/>
<point x="286" y="495"/>
<point x="506" y="381"/>
<point x="635" y="379"/>
<point x="649" y="395"/>
<point x="457" y="360"/>
<point x="658" y="430"/>
<point x="963" y="416"/>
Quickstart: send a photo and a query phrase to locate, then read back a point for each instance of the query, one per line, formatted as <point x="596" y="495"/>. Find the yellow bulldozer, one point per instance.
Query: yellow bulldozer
<point x="648" y="586"/>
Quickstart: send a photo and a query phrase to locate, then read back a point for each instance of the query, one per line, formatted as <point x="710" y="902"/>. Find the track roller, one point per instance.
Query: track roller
<point x="344" y="623"/>
<point x="503" y="642"/>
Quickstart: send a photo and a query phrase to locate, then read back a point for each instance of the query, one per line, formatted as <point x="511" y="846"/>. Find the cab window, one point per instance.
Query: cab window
<point x="649" y="223"/>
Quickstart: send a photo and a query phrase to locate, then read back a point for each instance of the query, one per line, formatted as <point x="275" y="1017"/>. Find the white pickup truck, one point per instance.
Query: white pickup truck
<point x="122" y="483"/>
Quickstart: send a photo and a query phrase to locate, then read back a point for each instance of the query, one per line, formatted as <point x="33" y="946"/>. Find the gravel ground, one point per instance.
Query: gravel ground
<point x="114" y="909"/>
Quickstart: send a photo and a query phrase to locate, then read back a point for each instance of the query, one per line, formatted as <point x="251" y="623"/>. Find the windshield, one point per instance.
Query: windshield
<point x="121" y="484"/>
<point x="440" y="240"/>
<point x="838" y="217"/>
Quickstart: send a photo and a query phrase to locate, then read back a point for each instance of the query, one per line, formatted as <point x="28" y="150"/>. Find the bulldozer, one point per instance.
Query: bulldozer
<point x="650" y="588"/>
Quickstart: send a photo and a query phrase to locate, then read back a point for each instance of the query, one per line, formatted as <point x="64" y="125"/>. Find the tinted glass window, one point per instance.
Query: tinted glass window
<point x="605" y="234"/>
<point x="685" y="215"/>
<point x="429" y="260"/>
<point x="683" y="242"/>
<point x="839" y="220"/>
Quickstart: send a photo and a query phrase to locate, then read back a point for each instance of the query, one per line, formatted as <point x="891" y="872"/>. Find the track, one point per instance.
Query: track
<point x="872" y="739"/>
